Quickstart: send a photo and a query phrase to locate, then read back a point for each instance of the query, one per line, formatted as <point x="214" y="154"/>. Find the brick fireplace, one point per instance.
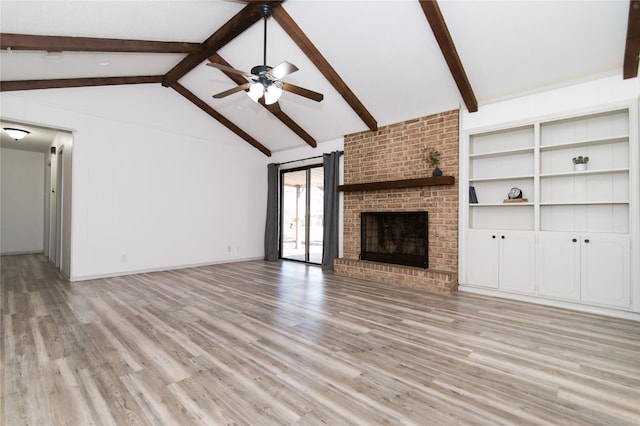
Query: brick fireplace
<point x="394" y="153"/>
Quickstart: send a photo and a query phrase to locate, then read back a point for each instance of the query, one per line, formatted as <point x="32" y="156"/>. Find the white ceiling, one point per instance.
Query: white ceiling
<point x="384" y="50"/>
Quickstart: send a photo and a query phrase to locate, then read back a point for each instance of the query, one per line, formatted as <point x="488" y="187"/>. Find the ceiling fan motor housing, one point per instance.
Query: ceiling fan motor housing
<point x="261" y="72"/>
<point x="260" y="69"/>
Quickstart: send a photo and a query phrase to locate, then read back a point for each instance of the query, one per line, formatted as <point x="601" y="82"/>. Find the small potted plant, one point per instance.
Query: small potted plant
<point x="580" y="163"/>
<point x="432" y="157"/>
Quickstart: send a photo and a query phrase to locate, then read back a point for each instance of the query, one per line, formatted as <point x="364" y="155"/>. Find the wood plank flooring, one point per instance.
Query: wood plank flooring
<point x="284" y="343"/>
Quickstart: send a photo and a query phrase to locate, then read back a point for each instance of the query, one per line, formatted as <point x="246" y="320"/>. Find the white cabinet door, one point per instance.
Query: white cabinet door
<point x="482" y="258"/>
<point x="502" y="260"/>
<point x="517" y="261"/>
<point x="605" y="269"/>
<point x="559" y="265"/>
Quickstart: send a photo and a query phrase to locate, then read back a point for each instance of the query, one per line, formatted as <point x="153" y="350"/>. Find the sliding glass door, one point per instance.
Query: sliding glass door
<point x="301" y="214"/>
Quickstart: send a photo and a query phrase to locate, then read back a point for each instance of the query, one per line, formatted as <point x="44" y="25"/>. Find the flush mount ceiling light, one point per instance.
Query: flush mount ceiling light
<point x="16" y="134"/>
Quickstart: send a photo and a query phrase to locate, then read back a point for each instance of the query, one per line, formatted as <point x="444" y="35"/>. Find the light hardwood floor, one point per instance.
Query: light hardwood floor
<point x="284" y="343"/>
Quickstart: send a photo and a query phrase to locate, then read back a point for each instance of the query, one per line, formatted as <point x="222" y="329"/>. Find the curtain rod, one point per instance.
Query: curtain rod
<point x="308" y="158"/>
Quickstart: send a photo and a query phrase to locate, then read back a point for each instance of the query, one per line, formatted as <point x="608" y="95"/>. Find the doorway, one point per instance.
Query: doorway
<point x="302" y="213"/>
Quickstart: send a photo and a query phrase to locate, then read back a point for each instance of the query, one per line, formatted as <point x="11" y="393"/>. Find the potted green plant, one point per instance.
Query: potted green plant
<point x="432" y="157"/>
<point x="580" y="163"/>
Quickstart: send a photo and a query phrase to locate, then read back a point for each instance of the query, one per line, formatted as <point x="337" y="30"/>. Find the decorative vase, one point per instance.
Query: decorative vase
<point x="436" y="172"/>
<point x="580" y="167"/>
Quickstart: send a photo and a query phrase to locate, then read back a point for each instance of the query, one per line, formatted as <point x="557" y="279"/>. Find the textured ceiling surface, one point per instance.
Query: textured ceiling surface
<point x="385" y="51"/>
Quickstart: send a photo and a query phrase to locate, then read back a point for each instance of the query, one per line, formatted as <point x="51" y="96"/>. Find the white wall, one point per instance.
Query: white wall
<point x="157" y="183"/>
<point x="22" y="201"/>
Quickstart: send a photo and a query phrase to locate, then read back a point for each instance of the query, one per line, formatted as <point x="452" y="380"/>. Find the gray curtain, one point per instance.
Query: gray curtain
<point x="271" y="228"/>
<point x="331" y="164"/>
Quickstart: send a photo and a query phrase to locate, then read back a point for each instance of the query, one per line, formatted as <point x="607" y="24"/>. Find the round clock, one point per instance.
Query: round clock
<point x="515" y="194"/>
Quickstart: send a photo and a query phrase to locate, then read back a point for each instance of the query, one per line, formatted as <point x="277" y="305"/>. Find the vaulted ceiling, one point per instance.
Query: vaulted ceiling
<point x="376" y="62"/>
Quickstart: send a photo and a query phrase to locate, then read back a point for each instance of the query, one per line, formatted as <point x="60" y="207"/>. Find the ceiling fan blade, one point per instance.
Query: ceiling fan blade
<point x="310" y="94"/>
<point x="229" y="69"/>
<point x="232" y="91"/>
<point x="283" y="69"/>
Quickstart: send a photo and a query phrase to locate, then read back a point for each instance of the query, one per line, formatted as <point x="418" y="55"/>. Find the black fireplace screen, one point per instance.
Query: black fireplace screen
<point x="401" y="238"/>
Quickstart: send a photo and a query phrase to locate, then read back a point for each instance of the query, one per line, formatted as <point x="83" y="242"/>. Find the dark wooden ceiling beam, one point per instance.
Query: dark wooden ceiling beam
<point x="301" y="39"/>
<point x="90" y="44"/>
<point x="443" y="37"/>
<point x="8" y="86"/>
<point x="632" y="46"/>
<point x="242" y="20"/>
<point x="222" y="119"/>
<point x="277" y="112"/>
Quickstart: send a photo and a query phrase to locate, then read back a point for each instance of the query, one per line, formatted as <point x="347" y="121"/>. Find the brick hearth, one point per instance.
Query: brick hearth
<point x="394" y="152"/>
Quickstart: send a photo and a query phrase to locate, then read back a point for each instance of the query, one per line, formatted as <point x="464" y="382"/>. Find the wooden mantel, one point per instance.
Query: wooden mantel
<point x="395" y="184"/>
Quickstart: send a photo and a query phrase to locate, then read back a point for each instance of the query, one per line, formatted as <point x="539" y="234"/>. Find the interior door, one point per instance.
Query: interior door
<point x="302" y="213"/>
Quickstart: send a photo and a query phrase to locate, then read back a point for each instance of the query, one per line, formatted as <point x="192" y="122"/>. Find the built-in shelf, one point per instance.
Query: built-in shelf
<point x="503" y="153"/>
<point x="397" y="184"/>
<point x="585" y="172"/>
<point x="585" y="143"/>
<point x="498" y="178"/>
<point x="584" y="203"/>
<point x="499" y="204"/>
<point x="572" y="239"/>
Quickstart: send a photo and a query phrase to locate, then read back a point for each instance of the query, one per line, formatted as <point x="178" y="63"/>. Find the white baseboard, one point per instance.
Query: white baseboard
<point x="589" y="309"/>
<point x="14" y="253"/>
<point x="161" y="269"/>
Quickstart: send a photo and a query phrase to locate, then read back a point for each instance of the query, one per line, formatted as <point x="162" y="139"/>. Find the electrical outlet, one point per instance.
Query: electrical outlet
<point x="229" y="248"/>
<point x="123" y="258"/>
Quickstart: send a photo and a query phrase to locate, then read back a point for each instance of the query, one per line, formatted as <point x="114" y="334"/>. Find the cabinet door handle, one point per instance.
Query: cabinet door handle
<point x="493" y="236"/>
<point x="502" y="237"/>
<point x="574" y="240"/>
<point x="586" y="241"/>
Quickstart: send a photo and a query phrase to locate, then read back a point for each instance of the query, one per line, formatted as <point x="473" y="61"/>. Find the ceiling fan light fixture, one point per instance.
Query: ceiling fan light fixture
<point x="256" y="91"/>
<point x="16" y="134"/>
<point x="272" y="94"/>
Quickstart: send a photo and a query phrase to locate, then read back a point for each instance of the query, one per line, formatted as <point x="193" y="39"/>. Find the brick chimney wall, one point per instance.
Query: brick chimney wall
<point x="395" y="152"/>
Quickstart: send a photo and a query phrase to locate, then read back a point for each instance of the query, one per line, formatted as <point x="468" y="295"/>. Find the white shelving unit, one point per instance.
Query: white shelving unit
<point x="499" y="161"/>
<point x="595" y="200"/>
<point x="571" y="239"/>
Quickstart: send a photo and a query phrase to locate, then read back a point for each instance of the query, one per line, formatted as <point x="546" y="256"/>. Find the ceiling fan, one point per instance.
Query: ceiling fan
<point x="263" y="82"/>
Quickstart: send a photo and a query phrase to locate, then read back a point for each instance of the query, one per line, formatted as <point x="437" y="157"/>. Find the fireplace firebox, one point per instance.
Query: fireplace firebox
<point x="401" y="238"/>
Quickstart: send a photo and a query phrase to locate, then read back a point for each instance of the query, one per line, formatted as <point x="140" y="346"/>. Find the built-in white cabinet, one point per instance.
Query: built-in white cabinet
<point x="501" y="260"/>
<point x="592" y="268"/>
<point x="605" y="270"/>
<point x="558" y="265"/>
<point x="569" y="239"/>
